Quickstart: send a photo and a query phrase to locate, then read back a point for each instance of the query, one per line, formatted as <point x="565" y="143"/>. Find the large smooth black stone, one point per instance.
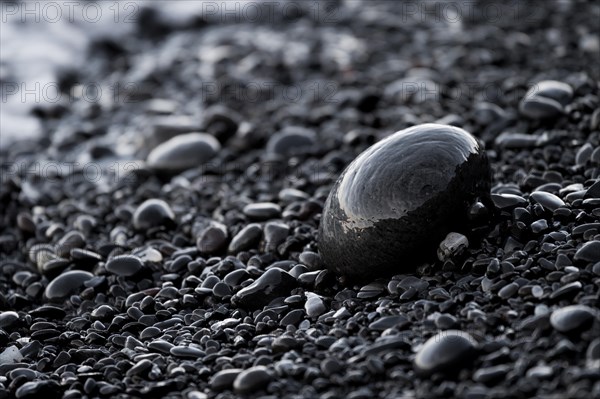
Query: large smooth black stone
<point x="397" y="200"/>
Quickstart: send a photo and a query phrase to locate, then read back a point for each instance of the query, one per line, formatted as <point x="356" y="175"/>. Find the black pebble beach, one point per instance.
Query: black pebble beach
<point x="165" y="228"/>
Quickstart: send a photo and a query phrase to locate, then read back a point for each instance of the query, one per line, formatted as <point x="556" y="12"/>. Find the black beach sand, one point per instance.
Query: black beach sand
<point x="193" y="270"/>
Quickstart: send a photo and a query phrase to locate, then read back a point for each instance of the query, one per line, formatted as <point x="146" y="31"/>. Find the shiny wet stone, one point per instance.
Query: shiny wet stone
<point x="8" y="319"/>
<point x="572" y="318"/>
<point x="556" y="90"/>
<point x="549" y="201"/>
<point x="291" y="140"/>
<point x="275" y="234"/>
<point x="508" y="290"/>
<point x="247" y="238"/>
<point x="33" y="389"/>
<point x="183" y="152"/>
<point x="69" y="241"/>
<point x="251" y="380"/>
<point x="374" y="213"/>
<point x="589" y="252"/>
<point x="67" y="283"/>
<point x="153" y="213"/>
<point x="262" y="210"/>
<point x="212" y="239"/>
<point x="383" y="323"/>
<point x="124" y="265"/>
<point x="546" y="99"/>
<point x="273" y="283"/>
<point x="224" y="379"/>
<point x="447" y="351"/>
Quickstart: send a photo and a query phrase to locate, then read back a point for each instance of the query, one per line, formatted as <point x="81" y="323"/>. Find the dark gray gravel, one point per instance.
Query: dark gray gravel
<point x="194" y="270"/>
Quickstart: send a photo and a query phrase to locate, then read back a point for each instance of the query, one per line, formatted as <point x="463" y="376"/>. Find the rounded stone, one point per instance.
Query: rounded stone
<point x="262" y="210"/>
<point x="124" y="265"/>
<point x="251" y="380"/>
<point x="549" y="201"/>
<point x="539" y="107"/>
<point x="291" y="140"/>
<point x="246" y="238"/>
<point x="8" y="319"/>
<point x="546" y="100"/>
<point x="399" y="199"/>
<point x="589" y="252"/>
<point x="153" y="213"/>
<point x="212" y="238"/>
<point x="554" y="89"/>
<point x="446" y="351"/>
<point x="67" y="283"/>
<point x="224" y="379"/>
<point x="572" y="318"/>
<point x="183" y="152"/>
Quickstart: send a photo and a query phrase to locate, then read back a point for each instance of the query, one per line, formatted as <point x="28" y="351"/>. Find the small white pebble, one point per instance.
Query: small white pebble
<point x="10" y="355"/>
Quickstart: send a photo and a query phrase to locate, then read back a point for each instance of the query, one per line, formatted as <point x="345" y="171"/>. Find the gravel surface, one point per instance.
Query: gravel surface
<point x="159" y="237"/>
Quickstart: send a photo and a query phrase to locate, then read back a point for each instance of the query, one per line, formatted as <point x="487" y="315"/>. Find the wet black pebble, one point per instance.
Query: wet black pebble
<point x="593" y="191"/>
<point x="69" y="241"/>
<point x="567" y="290"/>
<point x="251" y="380"/>
<point x="508" y="290"/>
<point x="549" y="201"/>
<point x="584" y="153"/>
<point x="593" y="354"/>
<point x="446" y="351"/>
<point x="8" y="319"/>
<point x="539" y="226"/>
<point x="124" y="265"/>
<point x="446" y="321"/>
<point x="508" y="201"/>
<point x="212" y="239"/>
<point x="383" y="323"/>
<point x="330" y="366"/>
<point x="589" y="252"/>
<point x="262" y="210"/>
<point x="247" y="238"/>
<point x="153" y="213"/>
<point x="490" y="375"/>
<point x="140" y="367"/>
<point x="274" y="283"/>
<point x="572" y="318"/>
<point x="224" y="379"/>
<point x="291" y="140"/>
<point x="67" y="283"/>
<point x="546" y="100"/>
<point x="559" y="91"/>
<point x="427" y="172"/>
<point x="539" y="107"/>
<point x="183" y="152"/>
<point x="35" y="389"/>
<point x="518" y="140"/>
<point x="275" y="234"/>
